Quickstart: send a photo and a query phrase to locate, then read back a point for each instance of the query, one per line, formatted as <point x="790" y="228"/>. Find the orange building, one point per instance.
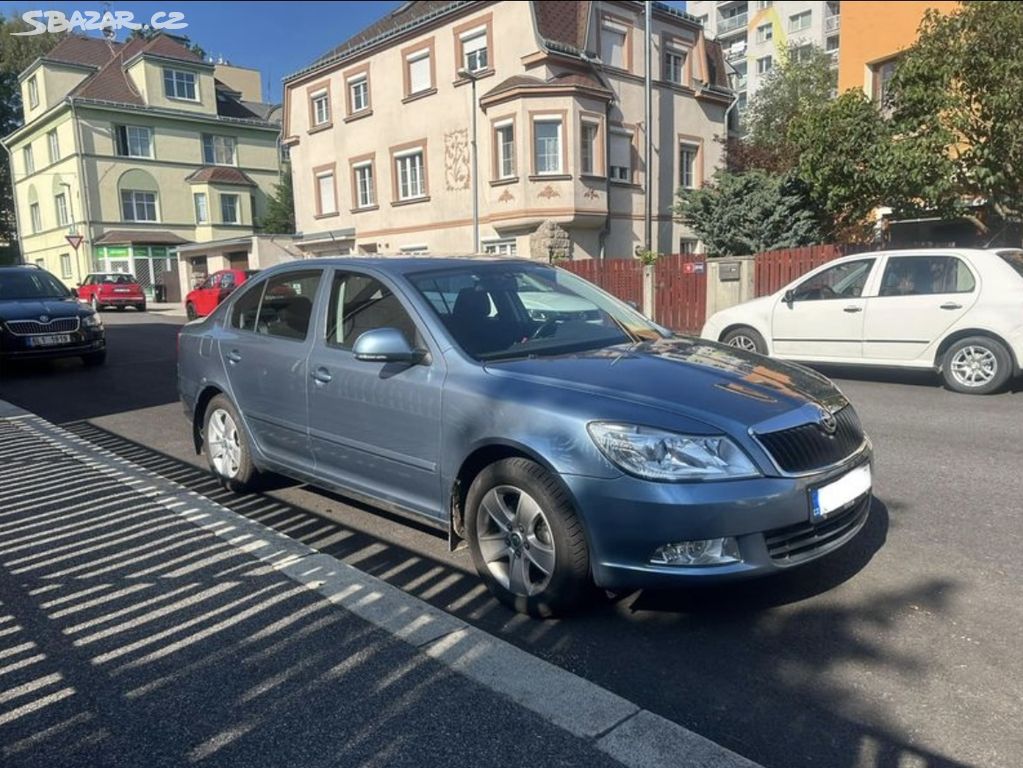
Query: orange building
<point x="873" y="35"/>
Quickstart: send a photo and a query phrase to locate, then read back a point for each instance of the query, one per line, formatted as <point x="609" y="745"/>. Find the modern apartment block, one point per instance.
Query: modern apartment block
<point x="381" y="136"/>
<point x="754" y="34"/>
<point x="137" y="148"/>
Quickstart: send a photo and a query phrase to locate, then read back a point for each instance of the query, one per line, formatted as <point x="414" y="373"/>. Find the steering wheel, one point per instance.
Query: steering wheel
<point x="546" y="329"/>
<point x="827" y="292"/>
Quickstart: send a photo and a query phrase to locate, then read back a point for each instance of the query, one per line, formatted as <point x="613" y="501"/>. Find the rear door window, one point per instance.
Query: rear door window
<point x="925" y="276"/>
<point x="286" y="307"/>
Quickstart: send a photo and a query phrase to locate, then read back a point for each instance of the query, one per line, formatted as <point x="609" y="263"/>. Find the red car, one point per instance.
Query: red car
<point x="204" y="299"/>
<point x="112" y="289"/>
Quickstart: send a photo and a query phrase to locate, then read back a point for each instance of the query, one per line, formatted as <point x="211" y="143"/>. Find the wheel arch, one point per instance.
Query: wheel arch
<point x="966" y="333"/>
<point x="734" y="326"/>
<point x="199" y="413"/>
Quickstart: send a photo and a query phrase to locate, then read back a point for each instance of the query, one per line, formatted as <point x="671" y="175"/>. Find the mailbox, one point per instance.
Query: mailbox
<point x="728" y="271"/>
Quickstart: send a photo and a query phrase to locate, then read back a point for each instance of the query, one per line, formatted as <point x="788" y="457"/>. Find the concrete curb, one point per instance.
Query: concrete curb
<point x="633" y="736"/>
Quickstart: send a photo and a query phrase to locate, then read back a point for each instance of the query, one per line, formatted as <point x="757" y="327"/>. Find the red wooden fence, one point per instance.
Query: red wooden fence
<point x="774" y="269"/>
<point x="619" y="277"/>
<point x="680" y="292"/>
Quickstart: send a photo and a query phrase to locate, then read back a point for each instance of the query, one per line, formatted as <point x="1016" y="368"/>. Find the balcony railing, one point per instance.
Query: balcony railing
<point x="832" y="23"/>
<point x="739" y="82"/>
<point x="732" y="23"/>
<point x="735" y="53"/>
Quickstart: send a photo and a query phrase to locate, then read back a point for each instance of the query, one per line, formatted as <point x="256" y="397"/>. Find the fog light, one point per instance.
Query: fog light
<point x="702" y="552"/>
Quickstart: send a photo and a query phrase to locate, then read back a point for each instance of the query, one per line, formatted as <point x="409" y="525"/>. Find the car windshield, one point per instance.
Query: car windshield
<point x="498" y="311"/>
<point x="1014" y="259"/>
<point x="30" y="284"/>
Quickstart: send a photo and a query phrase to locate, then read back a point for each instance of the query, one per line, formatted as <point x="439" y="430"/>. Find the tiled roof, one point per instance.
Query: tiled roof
<point x="149" y="237"/>
<point x="563" y="23"/>
<point x="528" y="81"/>
<point x="716" y="64"/>
<point x="219" y="174"/>
<point x="87" y="51"/>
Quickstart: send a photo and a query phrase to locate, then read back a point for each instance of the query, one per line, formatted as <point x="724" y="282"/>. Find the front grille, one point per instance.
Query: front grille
<point x="33" y="327"/>
<point x="808" y="447"/>
<point x="803" y="541"/>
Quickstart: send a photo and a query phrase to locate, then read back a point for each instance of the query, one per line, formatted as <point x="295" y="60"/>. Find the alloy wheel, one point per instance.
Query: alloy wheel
<point x="224" y="444"/>
<point x="974" y="366"/>
<point x="515" y="540"/>
<point x="743" y="342"/>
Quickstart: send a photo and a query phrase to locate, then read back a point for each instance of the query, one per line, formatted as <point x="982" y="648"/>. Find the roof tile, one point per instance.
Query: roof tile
<point x="219" y="174"/>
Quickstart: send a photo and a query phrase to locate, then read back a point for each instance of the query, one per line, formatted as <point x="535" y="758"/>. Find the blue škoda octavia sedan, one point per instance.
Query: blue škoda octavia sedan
<point x="568" y="440"/>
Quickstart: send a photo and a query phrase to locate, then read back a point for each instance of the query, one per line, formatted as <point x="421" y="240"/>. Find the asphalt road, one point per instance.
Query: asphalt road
<point x="901" y="650"/>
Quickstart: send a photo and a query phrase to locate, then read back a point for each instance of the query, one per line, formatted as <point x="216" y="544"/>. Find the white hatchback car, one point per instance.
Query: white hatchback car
<point x="959" y="311"/>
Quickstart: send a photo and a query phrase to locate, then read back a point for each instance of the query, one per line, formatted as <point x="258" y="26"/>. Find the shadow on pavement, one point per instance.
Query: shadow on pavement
<point x="752" y="666"/>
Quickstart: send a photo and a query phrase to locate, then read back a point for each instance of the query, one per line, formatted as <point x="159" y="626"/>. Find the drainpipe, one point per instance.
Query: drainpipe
<point x="648" y="222"/>
<point x="83" y="188"/>
<point x="606" y="229"/>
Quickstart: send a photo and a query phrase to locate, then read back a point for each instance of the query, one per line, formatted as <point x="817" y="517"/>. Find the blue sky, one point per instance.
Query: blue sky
<point x="277" y="38"/>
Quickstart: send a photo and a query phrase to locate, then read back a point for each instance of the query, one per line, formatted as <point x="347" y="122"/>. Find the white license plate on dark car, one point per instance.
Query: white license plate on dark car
<point x="51" y="340"/>
<point x="840" y="493"/>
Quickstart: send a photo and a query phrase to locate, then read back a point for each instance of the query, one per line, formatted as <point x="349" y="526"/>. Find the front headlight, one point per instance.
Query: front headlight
<point x="92" y="321"/>
<point x="658" y="455"/>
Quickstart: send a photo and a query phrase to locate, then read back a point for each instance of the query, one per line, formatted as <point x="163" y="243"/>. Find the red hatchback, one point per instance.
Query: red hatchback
<point x="112" y="289"/>
<point x="204" y="299"/>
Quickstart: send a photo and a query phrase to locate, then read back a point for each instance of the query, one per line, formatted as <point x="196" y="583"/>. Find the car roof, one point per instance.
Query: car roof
<point x="408" y="265"/>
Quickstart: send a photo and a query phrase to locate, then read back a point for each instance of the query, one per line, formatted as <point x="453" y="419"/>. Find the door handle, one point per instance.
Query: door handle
<point x="321" y="376"/>
<point x="951" y="305"/>
<point x="853" y="309"/>
<point x="234" y="356"/>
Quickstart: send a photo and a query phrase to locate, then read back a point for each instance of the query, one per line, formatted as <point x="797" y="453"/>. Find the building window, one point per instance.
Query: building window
<point x="504" y="139"/>
<point x="358" y="93"/>
<point x="133" y="141"/>
<point x="800" y="21"/>
<point x="504" y="247"/>
<point x="881" y="79"/>
<point x="547" y="146"/>
<point x="688" y="156"/>
<point x="65" y="266"/>
<point x="33" y="92"/>
<point x="674" y="65"/>
<point x="621" y="156"/>
<point x="218" y="150"/>
<point x="60" y="203"/>
<point x="178" y="84"/>
<point x="37" y="217"/>
<point x="230" y="209"/>
<point x="30" y="161"/>
<point x="613" y="40"/>
<point x="765" y="33"/>
<point x="321" y="108"/>
<point x="763" y="5"/>
<point x="411" y="172"/>
<point x="588" y="148"/>
<point x="420" y="74"/>
<point x="54" y="145"/>
<point x="764" y="65"/>
<point x="365" y="195"/>
<point x="831" y="44"/>
<point x="137" y="205"/>
<point x="474" y="50"/>
<point x="414" y="250"/>
<point x="202" y="210"/>
<point x="326" y="193"/>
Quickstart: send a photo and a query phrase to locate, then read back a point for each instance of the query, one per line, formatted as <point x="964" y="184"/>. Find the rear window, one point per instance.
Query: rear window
<point x="1014" y="259"/>
<point x="119" y="279"/>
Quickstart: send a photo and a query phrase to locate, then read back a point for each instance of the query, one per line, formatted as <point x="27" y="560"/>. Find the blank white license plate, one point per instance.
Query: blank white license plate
<point x="122" y="290"/>
<point x="839" y="493"/>
<point x="49" y="341"/>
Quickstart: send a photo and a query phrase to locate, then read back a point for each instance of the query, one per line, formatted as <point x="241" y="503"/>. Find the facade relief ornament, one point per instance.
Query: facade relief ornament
<point x="506" y="197"/>
<point x="549" y="192"/>
<point x="456" y="160"/>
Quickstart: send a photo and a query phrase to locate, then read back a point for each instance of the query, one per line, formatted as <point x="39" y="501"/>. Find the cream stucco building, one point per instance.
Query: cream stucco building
<point x="138" y="148"/>
<point x="380" y="129"/>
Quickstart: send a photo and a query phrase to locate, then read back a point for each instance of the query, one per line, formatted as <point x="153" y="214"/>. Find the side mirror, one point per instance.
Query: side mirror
<point x="790" y="296"/>
<point x="74" y="292"/>
<point x="385" y="345"/>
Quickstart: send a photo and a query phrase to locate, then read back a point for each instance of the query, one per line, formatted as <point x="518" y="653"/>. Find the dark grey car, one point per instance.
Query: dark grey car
<point x="588" y="448"/>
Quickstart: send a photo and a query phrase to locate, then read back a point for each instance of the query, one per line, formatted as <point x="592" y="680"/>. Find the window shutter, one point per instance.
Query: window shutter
<point x="419" y="74"/>
<point x="475" y="43"/>
<point x="621" y="150"/>
<point x="327" y="202"/>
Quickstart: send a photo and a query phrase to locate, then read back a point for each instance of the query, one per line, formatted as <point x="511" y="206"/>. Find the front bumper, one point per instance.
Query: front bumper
<point x="628" y="518"/>
<point x="83" y="342"/>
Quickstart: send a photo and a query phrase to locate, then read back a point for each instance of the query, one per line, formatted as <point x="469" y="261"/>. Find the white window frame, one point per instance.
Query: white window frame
<point x="505" y="246"/>
<point x="33" y="92"/>
<point x="35" y="215"/>
<point x="609" y="27"/>
<point x="136" y="198"/>
<point x="476" y="58"/>
<point x="358" y="92"/>
<point x="321" y="177"/>
<point x="560" y="138"/>
<point x="224" y="197"/>
<point x="584" y="126"/>
<point x="693" y="151"/>
<point x="411" y="178"/>
<point x="761" y="69"/>
<point x="505" y="149"/>
<point x="133" y="139"/>
<point x="796" y="21"/>
<point x="216" y="143"/>
<point x="179" y="83"/>
<point x="415" y="58"/>
<point x="621" y="173"/>
<point x="321" y="108"/>
<point x="672" y="54"/>
<point x="53" y="145"/>
<point x="60" y="206"/>
<point x="202" y="209"/>
<point x="65" y="266"/>
<point x="365" y="186"/>
<point x="29" y="159"/>
<point x="765" y="32"/>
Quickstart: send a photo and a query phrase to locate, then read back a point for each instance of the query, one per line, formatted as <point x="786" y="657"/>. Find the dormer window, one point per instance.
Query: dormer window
<point x="33" y="92"/>
<point x="179" y="84"/>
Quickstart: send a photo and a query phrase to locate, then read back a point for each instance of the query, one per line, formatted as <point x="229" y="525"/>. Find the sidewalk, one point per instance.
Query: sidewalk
<point x="174" y="310"/>
<point x="142" y="624"/>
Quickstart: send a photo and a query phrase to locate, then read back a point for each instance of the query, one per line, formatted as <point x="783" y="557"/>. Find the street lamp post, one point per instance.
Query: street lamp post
<point x="473" y="77"/>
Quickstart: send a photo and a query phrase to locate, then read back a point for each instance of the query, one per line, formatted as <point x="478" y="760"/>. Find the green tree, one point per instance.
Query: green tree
<point x="957" y="89"/>
<point x="743" y="213"/>
<point x="280" y="208"/>
<point x="16" y="54"/>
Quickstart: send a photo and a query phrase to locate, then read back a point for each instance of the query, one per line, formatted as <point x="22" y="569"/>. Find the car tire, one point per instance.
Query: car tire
<point x="120" y="307"/>
<point x="519" y="522"/>
<point x="140" y="307"/>
<point x="230" y="460"/>
<point x="746" y="338"/>
<point x="190" y="311"/>
<point x="94" y="359"/>
<point x="977" y="365"/>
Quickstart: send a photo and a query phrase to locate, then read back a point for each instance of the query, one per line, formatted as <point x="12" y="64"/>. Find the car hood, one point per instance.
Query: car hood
<point x="719" y="385"/>
<point x="33" y="309"/>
